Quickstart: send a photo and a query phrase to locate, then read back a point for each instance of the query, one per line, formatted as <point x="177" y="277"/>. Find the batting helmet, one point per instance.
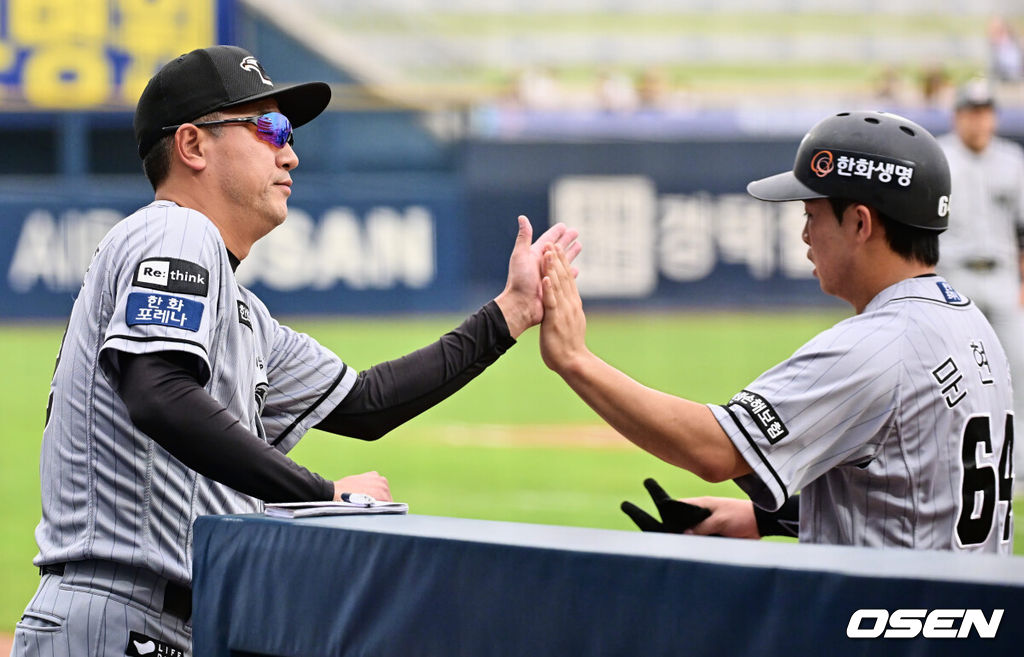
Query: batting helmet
<point x="879" y="159"/>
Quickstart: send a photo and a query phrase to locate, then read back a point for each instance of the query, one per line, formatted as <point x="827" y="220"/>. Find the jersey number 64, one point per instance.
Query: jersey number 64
<point x="983" y="486"/>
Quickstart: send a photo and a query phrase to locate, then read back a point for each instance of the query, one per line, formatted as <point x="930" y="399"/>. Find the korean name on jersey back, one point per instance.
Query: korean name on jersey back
<point x="172" y="275"/>
<point x="163" y="310"/>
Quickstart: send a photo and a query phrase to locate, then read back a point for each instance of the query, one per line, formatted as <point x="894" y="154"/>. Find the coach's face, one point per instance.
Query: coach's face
<point x="253" y="175"/>
<point x="830" y="246"/>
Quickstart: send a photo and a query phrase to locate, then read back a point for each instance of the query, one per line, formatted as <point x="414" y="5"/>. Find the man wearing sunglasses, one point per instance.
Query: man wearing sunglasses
<point x="176" y="394"/>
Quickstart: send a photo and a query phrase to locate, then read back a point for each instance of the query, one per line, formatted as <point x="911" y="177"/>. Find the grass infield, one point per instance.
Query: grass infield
<point x="515" y="445"/>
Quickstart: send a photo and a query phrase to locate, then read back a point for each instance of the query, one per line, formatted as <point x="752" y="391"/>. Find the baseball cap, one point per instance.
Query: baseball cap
<point x="214" y="78"/>
<point x="976" y="92"/>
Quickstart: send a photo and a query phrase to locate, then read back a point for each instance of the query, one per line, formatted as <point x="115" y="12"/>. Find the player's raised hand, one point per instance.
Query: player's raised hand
<point x="564" y="327"/>
<point x="369" y="483"/>
<point x="521" y="300"/>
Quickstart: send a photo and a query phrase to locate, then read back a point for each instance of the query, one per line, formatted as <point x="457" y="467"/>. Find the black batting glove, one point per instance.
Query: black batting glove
<point x="676" y="516"/>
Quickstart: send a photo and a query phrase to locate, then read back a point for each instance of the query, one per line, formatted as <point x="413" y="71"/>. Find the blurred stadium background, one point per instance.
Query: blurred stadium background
<point x="639" y="122"/>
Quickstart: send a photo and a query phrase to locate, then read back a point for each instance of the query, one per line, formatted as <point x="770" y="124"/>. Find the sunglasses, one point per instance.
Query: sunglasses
<point x="272" y="127"/>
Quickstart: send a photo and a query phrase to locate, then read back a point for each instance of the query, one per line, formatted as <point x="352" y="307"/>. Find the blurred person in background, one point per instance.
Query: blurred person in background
<point x="617" y="93"/>
<point x="1006" y="59"/>
<point x="981" y="253"/>
<point x="936" y="87"/>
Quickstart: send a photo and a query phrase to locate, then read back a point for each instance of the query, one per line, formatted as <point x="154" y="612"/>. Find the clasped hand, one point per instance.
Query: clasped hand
<point x="521" y="300"/>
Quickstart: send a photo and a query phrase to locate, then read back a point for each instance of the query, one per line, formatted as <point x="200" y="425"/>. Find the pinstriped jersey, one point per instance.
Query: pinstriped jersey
<point x="161" y="280"/>
<point x="987" y="206"/>
<point x="894" y="425"/>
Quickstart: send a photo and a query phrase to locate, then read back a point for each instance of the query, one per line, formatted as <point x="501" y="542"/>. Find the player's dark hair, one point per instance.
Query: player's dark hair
<point x="906" y="241"/>
<point x="157" y="163"/>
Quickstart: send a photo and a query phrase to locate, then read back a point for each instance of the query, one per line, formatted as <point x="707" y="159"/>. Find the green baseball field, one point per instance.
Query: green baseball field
<point x="515" y="445"/>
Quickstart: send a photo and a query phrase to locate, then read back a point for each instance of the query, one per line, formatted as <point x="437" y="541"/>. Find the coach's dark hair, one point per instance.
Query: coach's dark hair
<point x="911" y="243"/>
<point x="157" y="163"/>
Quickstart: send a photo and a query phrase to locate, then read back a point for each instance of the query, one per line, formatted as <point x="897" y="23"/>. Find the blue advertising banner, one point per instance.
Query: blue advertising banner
<point x="663" y="225"/>
<point x="364" y="244"/>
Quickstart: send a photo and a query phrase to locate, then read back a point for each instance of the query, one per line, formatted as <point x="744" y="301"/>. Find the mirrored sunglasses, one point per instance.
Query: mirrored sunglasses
<point x="272" y="127"/>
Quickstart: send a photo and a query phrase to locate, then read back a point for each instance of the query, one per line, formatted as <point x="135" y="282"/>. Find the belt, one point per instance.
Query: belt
<point x="980" y="264"/>
<point x="177" y="598"/>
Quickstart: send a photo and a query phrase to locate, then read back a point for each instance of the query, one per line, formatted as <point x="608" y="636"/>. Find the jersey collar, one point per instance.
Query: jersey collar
<point x="930" y="287"/>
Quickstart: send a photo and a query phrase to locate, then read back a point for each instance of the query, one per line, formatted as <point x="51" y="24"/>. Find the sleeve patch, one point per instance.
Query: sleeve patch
<point x="163" y="310"/>
<point x="172" y="275"/>
<point x="244" y="317"/>
<point x="763" y="414"/>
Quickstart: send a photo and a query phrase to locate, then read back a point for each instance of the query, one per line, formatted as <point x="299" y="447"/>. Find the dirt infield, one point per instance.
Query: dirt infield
<point x="6" y="642"/>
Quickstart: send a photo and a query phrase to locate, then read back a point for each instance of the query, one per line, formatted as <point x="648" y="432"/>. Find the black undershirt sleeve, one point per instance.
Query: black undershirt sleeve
<point x="164" y="399"/>
<point x="390" y="393"/>
<point x="784" y="522"/>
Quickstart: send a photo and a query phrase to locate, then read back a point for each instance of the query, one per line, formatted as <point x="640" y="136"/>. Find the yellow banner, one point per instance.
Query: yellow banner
<point x="93" y="54"/>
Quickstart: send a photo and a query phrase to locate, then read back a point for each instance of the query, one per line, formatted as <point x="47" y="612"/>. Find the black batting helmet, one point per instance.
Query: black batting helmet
<point x="879" y="159"/>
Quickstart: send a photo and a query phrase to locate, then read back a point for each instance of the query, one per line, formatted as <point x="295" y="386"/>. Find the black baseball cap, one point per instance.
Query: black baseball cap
<point x="215" y="78"/>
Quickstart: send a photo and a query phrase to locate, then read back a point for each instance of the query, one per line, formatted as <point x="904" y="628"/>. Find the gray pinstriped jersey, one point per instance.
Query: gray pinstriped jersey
<point x="987" y="203"/>
<point x="161" y="280"/>
<point x="893" y="426"/>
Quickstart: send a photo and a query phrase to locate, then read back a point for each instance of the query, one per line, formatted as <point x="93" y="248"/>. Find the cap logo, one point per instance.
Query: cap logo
<point x="251" y="64"/>
<point x="869" y="166"/>
<point x="822" y="163"/>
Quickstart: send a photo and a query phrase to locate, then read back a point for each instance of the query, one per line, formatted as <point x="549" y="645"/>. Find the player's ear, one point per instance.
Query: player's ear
<point x="865" y="220"/>
<point x="188" y="147"/>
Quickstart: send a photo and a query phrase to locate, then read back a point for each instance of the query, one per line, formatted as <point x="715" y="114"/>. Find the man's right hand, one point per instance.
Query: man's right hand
<point x="368" y="483"/>
<point x="564" y="326"/>
<point x="729" y="517"/>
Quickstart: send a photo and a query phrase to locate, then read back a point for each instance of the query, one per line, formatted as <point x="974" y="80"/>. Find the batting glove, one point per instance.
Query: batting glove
<point x="676" y="516"/>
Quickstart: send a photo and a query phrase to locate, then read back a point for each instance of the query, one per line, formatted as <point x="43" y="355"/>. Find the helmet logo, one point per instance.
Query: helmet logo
<point x="822" y="163"/>
<point x="252" y="64"/>
<point x="943" y="206"/>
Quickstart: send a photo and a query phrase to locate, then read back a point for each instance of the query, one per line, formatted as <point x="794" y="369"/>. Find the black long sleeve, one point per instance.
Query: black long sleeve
<point x="784" y="522"/>
<point x="164" y="399"/>
<point x="390" y="393"/>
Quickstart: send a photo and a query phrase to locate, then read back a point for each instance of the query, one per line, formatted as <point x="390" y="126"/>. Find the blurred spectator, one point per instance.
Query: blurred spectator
<point x="936" y="87"/>
<point x="891" y="88"/>
<point x="656" y="92"/>
<point x="539" y="89"/>
<point x="617" y="93"/>
<point x="981" y="253"/>
<point x="889" y="84"/>
<point x="1006" y="59"/>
